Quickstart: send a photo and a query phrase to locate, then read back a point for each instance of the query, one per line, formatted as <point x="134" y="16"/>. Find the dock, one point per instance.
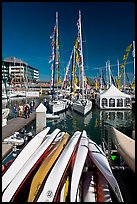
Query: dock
<point x="14" y="125"/>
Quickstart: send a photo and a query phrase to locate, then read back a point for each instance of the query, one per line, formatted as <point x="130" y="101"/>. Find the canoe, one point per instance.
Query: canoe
<point x="125" y="146"/>
<point x="45" y="167"/>
<point x="16" y="184"/>
<point x="99" y="159"/>
<point x="57" y="174"/>
<point x="22" y="158"/>
<point x="78" y="165"/>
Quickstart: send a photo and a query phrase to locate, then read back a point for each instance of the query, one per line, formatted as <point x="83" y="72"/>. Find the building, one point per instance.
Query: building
<point x="18" y="71"/>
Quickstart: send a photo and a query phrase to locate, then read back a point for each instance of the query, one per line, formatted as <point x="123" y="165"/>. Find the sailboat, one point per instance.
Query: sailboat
<point x="81" y="105"/>
<point x="55" y="105"/>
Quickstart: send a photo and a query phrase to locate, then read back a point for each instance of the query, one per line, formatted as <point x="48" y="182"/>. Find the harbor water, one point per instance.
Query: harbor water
<point x="71" y="121"/>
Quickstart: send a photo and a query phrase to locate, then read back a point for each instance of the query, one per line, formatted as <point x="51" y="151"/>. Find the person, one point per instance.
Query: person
<point x="45" y="102"/>
<point x="26" y="111"/>
<point x="20" y="111"/>
<point x="31" y="106"/>
<point x="15" y="111"/>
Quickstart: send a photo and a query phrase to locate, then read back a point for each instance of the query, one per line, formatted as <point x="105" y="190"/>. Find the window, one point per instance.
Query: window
<point x="120" y="102"/>
<point x="104" y="102"/>
<point x="127" y="101"/>
<point x="111" y="102"/>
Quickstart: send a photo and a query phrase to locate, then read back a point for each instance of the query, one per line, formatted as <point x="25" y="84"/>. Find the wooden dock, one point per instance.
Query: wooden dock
<point x="14" y="125"/>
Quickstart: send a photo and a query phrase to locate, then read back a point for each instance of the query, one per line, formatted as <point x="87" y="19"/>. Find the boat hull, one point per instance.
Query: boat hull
<point x="125" y="146"/>
<point x="57" y="106"/>
<point x="82" y="107"/>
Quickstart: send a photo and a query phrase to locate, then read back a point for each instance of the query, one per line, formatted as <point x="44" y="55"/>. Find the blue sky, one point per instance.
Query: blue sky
<point x="108" y="28"/>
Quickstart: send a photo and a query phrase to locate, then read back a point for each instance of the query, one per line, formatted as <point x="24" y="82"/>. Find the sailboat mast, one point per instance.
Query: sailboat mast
<point x="5" y="80"/>
<point x="81" y="55"/>
<point x="57" y="50"/>
<point x="110" y="81"/>
<point x="72" y="78"/>
<point x="134" y="57"/>
<point x="54" y="63"/>
<point x="118" y="68"/>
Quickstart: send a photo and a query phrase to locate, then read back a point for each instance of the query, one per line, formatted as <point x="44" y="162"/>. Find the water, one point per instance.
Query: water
<point x="71" y="121"/>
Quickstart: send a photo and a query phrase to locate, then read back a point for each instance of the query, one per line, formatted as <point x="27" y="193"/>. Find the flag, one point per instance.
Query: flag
<point x="76" y="43"/>
<point x="51" y="67"/>
<point x="125" y="56"/>
<point x="80" y="60"/>
<point x="128" y="48"/>
<point x="52" y="57"/>
<point x="123" y="64"/>
<point x="52" y="43"/>
<point x="78" y="24"/>
<point x="53" y="33"/>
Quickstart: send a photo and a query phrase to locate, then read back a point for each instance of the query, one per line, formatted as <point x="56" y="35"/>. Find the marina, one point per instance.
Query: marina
<point x="70" y="140"/>
<point x="70" y="121"/>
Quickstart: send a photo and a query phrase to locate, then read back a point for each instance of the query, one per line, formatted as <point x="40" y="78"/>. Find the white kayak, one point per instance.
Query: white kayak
<point x="125" y="146"/>
<point x="99" y="159"/>
<point x="28" y="167"/>
<point x="24" y="155"/>
<point x="78" y="165"/>
<point x="56" y="175"/>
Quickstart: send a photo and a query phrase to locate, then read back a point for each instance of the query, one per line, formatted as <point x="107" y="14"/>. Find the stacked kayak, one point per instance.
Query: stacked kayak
<point x="63" y="168"/>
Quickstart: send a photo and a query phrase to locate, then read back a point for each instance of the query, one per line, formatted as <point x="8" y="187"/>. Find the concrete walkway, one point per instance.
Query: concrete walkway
<point x="16" y="124"/>
<point x="13" y="126"/>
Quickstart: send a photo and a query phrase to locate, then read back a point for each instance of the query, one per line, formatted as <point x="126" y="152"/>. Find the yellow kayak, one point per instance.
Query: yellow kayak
<point x="45" y="167"/>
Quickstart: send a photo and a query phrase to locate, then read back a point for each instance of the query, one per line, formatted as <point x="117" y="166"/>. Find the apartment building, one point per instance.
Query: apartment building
<point x="18" y="71"/>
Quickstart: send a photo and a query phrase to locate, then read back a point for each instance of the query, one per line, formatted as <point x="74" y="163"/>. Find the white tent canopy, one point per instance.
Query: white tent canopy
<point x="114" y="99"/>
<point x="113" y="92"/>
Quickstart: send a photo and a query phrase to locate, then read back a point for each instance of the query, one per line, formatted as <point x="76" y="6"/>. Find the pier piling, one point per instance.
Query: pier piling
<point x="40" y="117"/>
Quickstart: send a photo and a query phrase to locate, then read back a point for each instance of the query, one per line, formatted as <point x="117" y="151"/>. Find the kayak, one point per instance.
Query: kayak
<point x="58" y="172"/>
<point x="45" y="167"/>
<point x="22" y="158"/>
<point x="99" y="159"/>
<point x="16" y="184"/>
<point x="78" y="165"/>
